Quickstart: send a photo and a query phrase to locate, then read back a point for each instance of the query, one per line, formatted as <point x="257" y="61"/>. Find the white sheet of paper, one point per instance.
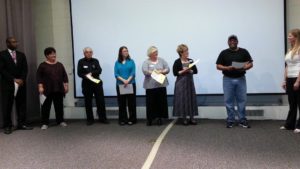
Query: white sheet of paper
<point x="160" y="78"/>
<point x="126" y="90"/>
<point x="42" y="98"/>
<point x="238" y="65"/>
<point x="16" y="89"/>
<point x="91" y="78"/>
<point x="194" y="63"/>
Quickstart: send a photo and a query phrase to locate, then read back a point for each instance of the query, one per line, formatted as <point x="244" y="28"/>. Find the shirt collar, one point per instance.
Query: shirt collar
<point x="11" y="51"/>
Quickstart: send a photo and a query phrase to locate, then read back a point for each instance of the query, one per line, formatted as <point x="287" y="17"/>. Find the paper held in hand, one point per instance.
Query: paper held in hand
<point x="238" y="65"/>
<point x="91" y="78"/>
<point x="16" y="89"/>
<point x="160" y="78"/>
<point x="42" y="98"/>
<point x="194" y="63"/>
<point x="126" y="90"/>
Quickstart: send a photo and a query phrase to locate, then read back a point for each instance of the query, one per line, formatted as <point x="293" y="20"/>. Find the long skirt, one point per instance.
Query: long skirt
<point x="185" y="99"/>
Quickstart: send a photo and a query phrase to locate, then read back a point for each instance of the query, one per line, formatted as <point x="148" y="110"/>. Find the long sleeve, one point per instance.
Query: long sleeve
<point x="145" y="69"/>
<point x="132" y="73"/>
<point x="97" y="71"/>
<point x="116" y="70"/>
<point x="80" y="71"/>
<point x="176" y="67"/>
<point x="39" y="74"/>
<point x="5" y="74"/>
<point x="64" y="74"/>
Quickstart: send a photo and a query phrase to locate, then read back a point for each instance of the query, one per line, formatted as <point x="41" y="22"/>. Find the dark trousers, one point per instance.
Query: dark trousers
<point x="123" y="101"/>
<point x="294" y="104"/>
<point x="57" y="99"/>
<point x="88" y="92"/>
<point x="8" y="99"/>
<point x="156" y="103"/>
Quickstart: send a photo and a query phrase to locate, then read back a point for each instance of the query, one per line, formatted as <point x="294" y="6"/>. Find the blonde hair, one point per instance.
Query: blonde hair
<point x="181" y="48"/>
<point x="151" y="50"/>
<point x="295" y="48"/>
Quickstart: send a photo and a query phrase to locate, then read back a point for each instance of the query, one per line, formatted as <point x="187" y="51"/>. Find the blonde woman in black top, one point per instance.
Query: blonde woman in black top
<point x="185" y="99"/>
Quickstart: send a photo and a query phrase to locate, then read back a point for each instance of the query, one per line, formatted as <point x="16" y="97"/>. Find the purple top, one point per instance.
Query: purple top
<point x="52" y="76"/>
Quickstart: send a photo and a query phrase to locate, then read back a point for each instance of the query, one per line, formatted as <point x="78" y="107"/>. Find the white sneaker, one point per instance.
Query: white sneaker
<point x="44" y="127"/>
<point x="63" y="124"/>
<point x="282" y="128"/>
<point x="297" y="131"/>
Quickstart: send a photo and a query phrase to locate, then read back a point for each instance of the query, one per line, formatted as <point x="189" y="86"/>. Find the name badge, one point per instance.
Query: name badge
<point x="85" y="67"/>
<point x="151" y="66"/>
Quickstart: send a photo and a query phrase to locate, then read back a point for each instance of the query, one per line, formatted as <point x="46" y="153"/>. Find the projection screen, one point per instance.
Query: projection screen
<point x="203" y="25"/>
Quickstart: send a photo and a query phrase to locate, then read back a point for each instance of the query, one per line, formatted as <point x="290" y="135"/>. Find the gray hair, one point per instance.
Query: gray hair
<point x="87" y="48"/>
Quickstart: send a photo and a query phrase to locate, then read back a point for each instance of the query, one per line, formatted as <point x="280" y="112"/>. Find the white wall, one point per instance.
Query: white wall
<point x="53" y="28"/>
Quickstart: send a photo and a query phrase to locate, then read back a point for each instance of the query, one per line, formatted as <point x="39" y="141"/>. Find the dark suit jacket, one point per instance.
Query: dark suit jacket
<point x="10" y="70"/>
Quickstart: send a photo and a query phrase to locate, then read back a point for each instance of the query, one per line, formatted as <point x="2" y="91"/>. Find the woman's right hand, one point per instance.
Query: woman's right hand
<point x="126" y="82"/>
<point x="283" y="85"/>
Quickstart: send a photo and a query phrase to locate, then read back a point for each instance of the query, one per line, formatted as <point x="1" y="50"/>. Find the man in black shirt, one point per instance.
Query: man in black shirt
<point x="234" y="80"/>
<point x="89" y="66"/>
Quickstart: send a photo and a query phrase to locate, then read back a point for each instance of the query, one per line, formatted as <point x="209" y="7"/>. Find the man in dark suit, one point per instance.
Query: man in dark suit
<point x="13" y="68"/>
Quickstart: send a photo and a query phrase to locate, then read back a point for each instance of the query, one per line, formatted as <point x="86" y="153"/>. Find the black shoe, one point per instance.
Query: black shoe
<point x="23" y="127"/>
<point x="104" y="121"/>
<point x="149" y="123"/>
<point x="244" y="124"/>
<point x="229" y="124"/>
<point x="130" y="123"/>
<point x="7" y="130"/>
<point x="193" y="122"/>
<point x="89" y="123"/>
<point x="159" y="122"/>
<point x="185" y="122"/>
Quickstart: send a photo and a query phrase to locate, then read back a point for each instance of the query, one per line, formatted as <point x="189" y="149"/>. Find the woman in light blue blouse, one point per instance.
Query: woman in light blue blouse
<point x="125" y="75"/>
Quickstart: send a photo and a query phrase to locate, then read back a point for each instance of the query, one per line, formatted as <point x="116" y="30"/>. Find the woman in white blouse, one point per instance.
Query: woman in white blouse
<point x="292" y="81"/>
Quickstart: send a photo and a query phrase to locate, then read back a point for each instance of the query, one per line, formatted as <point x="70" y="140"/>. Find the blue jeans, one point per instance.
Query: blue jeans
<point x="235" y="91"/>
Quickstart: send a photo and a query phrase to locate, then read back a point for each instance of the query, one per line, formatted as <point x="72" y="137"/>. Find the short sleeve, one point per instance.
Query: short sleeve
<point x="248" y="56"/>
<point x="220" y="60"/>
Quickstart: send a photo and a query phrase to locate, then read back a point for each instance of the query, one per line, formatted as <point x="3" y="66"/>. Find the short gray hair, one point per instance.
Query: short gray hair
<point x="87" y="48"/>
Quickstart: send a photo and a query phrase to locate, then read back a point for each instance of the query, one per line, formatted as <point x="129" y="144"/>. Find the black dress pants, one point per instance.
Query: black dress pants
<point x="57" y="99"/>
<point x="123" y="101"/>
<point x="294" y="104"/>
<point x="8" y="99"/>
<point x="94" y="90"/>
<point x="156" y="103"/>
